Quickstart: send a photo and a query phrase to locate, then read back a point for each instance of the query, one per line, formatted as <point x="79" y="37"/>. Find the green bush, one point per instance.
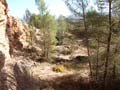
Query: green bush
<point x="93" y="44"/>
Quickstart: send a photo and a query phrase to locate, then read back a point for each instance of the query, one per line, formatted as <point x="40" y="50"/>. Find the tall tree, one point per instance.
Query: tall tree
<point x="108" y="42"/>
<point x="93" y="21"/>
<point x="78" y="7"/>
<point x="41" y="6"/>
<point x="47" y="24"/>
<point x="35" y="20"/>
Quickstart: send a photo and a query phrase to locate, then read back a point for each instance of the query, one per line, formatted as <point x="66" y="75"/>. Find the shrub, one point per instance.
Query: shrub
<point x="59" y="68"/>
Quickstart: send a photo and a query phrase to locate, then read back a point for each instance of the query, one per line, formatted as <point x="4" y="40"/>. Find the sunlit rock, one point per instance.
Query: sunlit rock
<point x="4" y="43"/>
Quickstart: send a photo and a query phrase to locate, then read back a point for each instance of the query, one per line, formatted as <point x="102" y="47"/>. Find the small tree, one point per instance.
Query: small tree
<point x="48" y="27"/>
<point x="62" y="26"/>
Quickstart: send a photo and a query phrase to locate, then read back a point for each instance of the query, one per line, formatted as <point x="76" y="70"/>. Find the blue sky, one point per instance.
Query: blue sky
<point x="18" y="7"/>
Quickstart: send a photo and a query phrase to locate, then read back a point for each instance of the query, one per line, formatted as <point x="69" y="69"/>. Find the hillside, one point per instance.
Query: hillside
<point x="42" y="52"/>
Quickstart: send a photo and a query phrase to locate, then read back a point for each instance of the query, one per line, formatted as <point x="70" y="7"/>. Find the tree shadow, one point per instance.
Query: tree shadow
<point x="74" y="82"/>
<point x="22" y="79"/>
<point x="71" y="82"/>
<point x="25" y="80"/>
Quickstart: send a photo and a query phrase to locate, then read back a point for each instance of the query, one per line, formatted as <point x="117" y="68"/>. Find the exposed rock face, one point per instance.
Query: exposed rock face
<point x="4" y="42"/>
<point x="13" y="35"/>
<point x="19" y="32"/>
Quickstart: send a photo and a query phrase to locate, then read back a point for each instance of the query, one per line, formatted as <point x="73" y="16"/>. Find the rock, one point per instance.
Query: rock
<point x="14" y="34"/>
<point x="21" y="29"/>
<point x="4" y="43"/>
<point x="20" y="33"/>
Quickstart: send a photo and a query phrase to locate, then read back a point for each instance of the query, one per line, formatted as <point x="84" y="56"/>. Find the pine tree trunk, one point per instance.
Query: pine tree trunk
<point x="87" y="41"/>
<point x="108" y="47"/>
<point x="97" y="62"/>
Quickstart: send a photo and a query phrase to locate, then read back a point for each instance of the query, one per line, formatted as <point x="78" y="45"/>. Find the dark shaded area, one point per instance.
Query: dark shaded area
<point x="80" y="34"/>
<point x="3" y="80"/>
<point x="71" y="82"/>
<point x="58" y="60"/>
<point x="81" y="59"/>
<point x="24" y="80"/>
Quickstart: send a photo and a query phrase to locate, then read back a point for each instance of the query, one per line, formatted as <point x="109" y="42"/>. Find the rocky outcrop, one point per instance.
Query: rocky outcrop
<point x="4" y="42"/>
<point x="18" y="34"/>
<point x="12" y="33"/>
<point x="19" y="30"/>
